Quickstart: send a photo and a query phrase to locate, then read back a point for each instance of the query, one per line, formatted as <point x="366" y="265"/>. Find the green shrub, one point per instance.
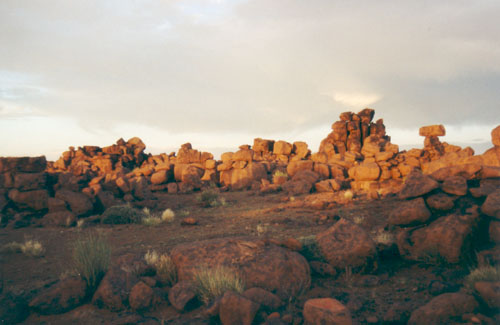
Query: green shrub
<point x="212" y="283"/>
<point x="210" y="198"/>
<point x="122" y="214"/>
<point x="91" y="257"/>
<point x="164" y="266"/>
<point x="310" y="249"/>
<point x="483" y="273"/>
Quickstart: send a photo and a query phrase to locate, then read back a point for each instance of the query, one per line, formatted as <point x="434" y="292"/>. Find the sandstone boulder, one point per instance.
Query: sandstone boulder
<point x="417" y="184"/>
<point x="182" y="296"/>
<point x="455" y="185"/>
<point x="441" y="201"/>
<point x="328" y="185"/>
<point x="261" y="264"/>
<point x="467" y="171"/>
<point x="494" y="231"/>
<point x="432" y="131"/>
<point x="295" y="166"/>
<point x="36" y="200"/>
<point x="346" y="244"/>
<point x="410" y="212"/>
<point x="61" y="297"/>
<point x="282" y="148"/>
<point x="447" y="238"/>
<point x="23" y="164"/>
<point x="264" y="298"/>
<point x="326" y="311"/>
<point x="367" y="171"/>
<point x="495" y="136"/>
<point x="236" y="309"/>
<point x="79" y="203"/>
<point x="444" y="309"/>
<point x="59" y="218"/>
<point x="489" y="293"/>
<point x="262" y="145"/>
<point x="160" y="177"/>
<point x="31" y="181"/>
<point x="114" y="289"/>
<point x="491" y="205"/>
<point x="141" y="296"/>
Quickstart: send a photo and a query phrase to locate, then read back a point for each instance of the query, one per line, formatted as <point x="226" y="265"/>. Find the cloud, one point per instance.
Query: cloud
<point x="251" y="67"/>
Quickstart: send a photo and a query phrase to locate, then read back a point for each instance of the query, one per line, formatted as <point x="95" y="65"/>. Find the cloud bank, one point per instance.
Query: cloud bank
<point x="240" y="68"/>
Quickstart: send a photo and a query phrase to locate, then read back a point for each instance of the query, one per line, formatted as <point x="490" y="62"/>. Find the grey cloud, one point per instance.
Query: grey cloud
<point x="254" y="66"/>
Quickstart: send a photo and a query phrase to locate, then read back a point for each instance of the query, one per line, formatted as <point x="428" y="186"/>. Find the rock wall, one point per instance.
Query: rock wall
<point x="356" y="155"/>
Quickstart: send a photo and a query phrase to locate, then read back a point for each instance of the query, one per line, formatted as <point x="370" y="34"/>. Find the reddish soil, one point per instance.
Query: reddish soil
<point x="397" y="283"/>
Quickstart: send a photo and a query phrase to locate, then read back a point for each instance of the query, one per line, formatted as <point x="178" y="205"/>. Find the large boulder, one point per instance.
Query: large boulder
<point x="295" y="166"/>
<point x="79" y="203"/>
<point x="447" y="238"/>
<point x="410" y="212"/>
<point x="444" y="309"/>
<point x="36" y="200"/>
<point x="236" y="309"/>
<point x="491" y="206"/>
<point x="30" y="181"/>
<point x="345" y="244"/>
<point x="368" y="171"/>
<point x="489" y="293"/>
<point x="417" y="184"/>
<point x="114" y="289"/>
<point x="432" y="131"/>
<point x="23" y="164"/>
<point x="61" y="297"/>
<point x="455" y="185"/>
<point x="326" y="311"/>
<point x="495" y="136"/>
<point x="261" y="264"/>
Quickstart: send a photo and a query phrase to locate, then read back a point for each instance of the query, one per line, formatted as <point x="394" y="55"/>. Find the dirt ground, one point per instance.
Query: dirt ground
<point x="395" y="283"/>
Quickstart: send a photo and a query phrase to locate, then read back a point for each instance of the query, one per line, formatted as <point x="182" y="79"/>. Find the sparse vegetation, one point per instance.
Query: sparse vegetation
<point x="383" y="237"/>
<point x="210" y="198"/>
<point x="211" y="283"/>
<point x="30" y="247"/>
<point x="348" y="276"/>
<point x="122" y="214"/>
<point x="280" y="173"/>
<point x="91" y="257"/>
<point x="164" y="266"/>
<point x="154" y="219"/>
<point x="358" y="220"/>
<point x="482" y="273"/>
<point x="310" y="249"/>
<point x="348" y="195"/>
<point x="261" y="229"/>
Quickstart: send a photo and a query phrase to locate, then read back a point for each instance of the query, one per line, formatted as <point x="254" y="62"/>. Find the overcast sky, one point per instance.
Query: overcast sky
<point x="218" y="73"/>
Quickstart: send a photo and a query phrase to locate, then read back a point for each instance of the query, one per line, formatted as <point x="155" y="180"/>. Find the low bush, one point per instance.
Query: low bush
<point x="212" y="283"/>
<point x="482" y="273"/>
<point x="164" y="266"/>
<point x="210" y="198"/>
<point x="310" y="249"/>
<point x="91" y="258"/>
<point x="122" y="214"/>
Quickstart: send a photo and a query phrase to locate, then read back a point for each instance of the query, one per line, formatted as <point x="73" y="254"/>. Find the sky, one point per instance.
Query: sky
<point x="219" y="73"/>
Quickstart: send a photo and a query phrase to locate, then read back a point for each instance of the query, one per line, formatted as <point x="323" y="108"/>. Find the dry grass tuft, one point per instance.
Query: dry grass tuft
<point x="153" y="219"/>
<point x="212" y="283"/>
<point x="30" y="247"/>
<point x="164" y="266"/>
<point x="91" y="257"/>
<point x="482" y="273"/>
